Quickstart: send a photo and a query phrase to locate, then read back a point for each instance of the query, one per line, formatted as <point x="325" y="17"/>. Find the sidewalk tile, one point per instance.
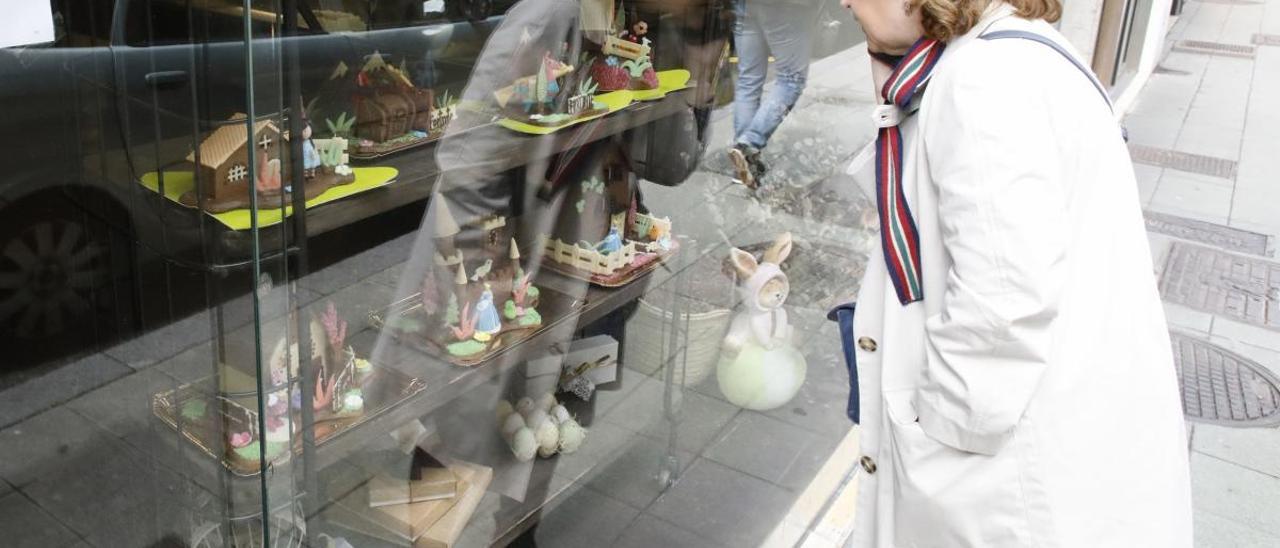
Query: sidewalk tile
<point x="1242" y="22"/>
<point x="190" y="365"/>
<point x="761" y="446"/>
<point x="361" y="266"/>
<point x="1224" y="489"/>
<point x="632" y="476"/>
<point x="584" y="518"/>
<point x="699" y="418"/>
<point x="718" y="502"/>
<point x="1186" y="319"/>
<point x="1208" y="135"/>
<point x="94" y="492"/>
<point x="26" y="525"/>
<point x="1195" y="196"/>
<point x="1256" y="211"/>
<point x="1254" y="342"/>
<point x="43" y="445"/>
<point x="650" y="532"/>
<point x="1213" y="531"/>
<point x="1153" y="129"/>
<point x="149" y="348"/>
<point x="124" y="407"/>
<point x="1253" y="448"/>
<point x="58" y="386"/>
<point x="1148" y="178"/>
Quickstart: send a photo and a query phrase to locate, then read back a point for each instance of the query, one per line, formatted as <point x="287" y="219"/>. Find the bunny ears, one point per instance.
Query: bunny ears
<point x="745" y="263"/>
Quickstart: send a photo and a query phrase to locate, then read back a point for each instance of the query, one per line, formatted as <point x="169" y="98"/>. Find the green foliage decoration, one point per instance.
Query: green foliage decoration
<point x="342" y="126"/>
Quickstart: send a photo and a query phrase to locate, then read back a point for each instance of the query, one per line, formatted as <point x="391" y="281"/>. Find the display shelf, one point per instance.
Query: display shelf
<point x="448" y="382"/>
<point x="418" y="170"/>
<point x="384" y="389"/>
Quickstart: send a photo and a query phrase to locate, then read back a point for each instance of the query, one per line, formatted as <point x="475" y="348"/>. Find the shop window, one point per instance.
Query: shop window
<point x="80" y="24"/>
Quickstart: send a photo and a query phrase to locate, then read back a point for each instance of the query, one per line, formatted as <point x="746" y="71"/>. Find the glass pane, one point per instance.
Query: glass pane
<point x="284" y="272"/>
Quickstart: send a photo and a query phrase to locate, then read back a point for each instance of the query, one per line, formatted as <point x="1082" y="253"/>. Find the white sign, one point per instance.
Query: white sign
<point x="25" y="22"/>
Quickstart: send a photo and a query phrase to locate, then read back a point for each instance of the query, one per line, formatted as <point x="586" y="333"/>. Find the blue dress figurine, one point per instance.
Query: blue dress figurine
<point x="487" y="321"/>
<point x="310" y="156"/>
<point x="611" y="243"/>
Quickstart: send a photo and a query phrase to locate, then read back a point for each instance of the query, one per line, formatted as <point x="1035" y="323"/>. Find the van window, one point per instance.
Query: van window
<point x="168" y="22"/>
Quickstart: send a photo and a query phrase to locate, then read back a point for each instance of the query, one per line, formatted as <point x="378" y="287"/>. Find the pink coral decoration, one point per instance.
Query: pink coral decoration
<point x="334" y="327"/>
<point x="241" y="439"/>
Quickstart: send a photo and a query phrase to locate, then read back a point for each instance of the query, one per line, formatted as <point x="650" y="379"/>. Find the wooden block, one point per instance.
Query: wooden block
<point x="406" y="522"/>
<point x="445" y="532"/>
<point x="436" y="484"/>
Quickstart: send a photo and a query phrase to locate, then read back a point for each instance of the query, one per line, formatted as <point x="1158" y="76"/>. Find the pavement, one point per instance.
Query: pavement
<point x="1223" y="105"/>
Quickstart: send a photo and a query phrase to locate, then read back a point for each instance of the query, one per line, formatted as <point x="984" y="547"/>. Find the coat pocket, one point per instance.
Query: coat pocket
<point x="944" y="497"/>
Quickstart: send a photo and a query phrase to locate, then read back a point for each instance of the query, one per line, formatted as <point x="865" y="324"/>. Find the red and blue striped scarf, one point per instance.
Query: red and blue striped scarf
<point x="898" y="233"/>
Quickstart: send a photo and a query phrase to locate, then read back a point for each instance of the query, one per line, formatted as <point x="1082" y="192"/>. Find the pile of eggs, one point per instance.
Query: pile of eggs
<point x="542" y="427"/>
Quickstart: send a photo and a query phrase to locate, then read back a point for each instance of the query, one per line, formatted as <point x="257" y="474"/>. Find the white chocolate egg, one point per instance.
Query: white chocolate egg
<point x="513" y="423"/>
<point x="525" y="406"/>
<point x="536" y="418"/>
<point x="524" y="444"/>
<point x="572" y="435"/>
<point x="548" y="436"/>
<point x="503" y="410"/>
<point x="559" y="414"/>
<point x="546" y="402"/>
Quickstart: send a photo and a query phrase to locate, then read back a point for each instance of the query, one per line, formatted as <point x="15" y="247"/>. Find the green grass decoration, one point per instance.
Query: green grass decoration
<point x="637" y="67"/>
<point x="342" y="126"/>
<point x="588" y="86"/>
<point x="330" y="154"/>
<point x="466" y="348"/>
<point x="445" y="100"/>
<point x="530" y="317"/>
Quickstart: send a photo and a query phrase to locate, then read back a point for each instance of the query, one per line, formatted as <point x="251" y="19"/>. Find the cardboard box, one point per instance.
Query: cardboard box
<point x="427" y="523"/>
<point x="435" y="484"/>
<point x="445" y="532"/>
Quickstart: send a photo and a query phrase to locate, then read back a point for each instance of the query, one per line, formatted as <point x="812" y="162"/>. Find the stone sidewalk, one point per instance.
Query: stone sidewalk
<point x="1205" y="133"/>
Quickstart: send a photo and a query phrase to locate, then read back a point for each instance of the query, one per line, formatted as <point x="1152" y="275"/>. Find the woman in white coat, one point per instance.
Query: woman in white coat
<point x="1017" y="383"/>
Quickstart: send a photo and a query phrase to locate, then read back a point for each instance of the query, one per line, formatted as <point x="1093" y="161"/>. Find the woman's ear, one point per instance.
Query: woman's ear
<point x="743" y="262"/>
<point x="780" y="250"/>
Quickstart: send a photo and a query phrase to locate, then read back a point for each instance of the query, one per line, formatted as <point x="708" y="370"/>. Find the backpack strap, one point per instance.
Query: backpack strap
<point x="1026" y="35"/>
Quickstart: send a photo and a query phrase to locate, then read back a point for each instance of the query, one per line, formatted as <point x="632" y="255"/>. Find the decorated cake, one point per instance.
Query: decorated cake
<point x="623" y="58"/>
<point x="220" y="413"/>
<point x="223" y="168"/>
<point x="477" y="301"/>
<point x="381" y="109"/>
<point x="554" y="95"/>
<point x="603" y="236"/>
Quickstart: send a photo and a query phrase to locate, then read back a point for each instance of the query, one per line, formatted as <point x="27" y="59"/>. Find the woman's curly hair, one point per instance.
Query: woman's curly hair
<point x="946" y="19"/>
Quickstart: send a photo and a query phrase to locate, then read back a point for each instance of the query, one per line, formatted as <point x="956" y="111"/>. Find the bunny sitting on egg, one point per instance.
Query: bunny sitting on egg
<point x="759" y="366"/>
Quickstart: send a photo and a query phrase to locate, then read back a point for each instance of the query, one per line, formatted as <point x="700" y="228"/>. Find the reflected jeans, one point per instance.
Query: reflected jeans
<point x="762" y="27"/>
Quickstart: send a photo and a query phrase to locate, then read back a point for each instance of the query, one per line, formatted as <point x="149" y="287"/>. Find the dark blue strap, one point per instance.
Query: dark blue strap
<point x="843" y="315"/>
<point x="1025" y="35"/>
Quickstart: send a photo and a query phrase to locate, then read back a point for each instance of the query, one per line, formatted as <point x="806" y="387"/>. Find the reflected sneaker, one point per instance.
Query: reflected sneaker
<point x="746" y="164"/>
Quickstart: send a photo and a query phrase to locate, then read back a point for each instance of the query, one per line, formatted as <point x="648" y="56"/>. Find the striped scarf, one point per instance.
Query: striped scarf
<point x="898" y="235"/>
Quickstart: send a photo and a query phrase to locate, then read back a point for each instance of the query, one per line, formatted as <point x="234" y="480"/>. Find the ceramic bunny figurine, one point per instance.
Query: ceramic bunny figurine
<point x="759" y="368"/>
<point x="763" y="288"/>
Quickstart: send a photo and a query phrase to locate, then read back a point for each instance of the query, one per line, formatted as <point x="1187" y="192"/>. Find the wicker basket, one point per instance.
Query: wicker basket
<point x="643" y="343"/>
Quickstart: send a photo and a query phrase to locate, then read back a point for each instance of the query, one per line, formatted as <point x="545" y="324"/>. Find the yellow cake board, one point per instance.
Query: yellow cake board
<point x="668" y="81"/>
<point x="177" y="183"/>
<point x="615" y="100"/>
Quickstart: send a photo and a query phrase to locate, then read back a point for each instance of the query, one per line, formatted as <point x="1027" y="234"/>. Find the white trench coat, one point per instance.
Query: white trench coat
<point x="1030" y="399"/>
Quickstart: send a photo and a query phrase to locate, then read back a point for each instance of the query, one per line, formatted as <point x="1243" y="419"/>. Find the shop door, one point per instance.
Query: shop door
<point x="1121" y="34"/>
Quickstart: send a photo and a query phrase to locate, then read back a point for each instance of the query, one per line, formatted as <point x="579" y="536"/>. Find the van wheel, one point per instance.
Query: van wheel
<point x="62" y="280"/>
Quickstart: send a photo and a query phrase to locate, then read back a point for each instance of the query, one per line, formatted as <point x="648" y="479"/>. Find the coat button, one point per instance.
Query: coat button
<point x="867" y="343"/>
<point x="868" y="465"/>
